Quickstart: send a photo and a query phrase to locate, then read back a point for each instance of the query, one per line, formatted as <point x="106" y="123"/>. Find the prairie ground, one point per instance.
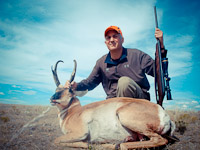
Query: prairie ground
<point x="35" y="128"/>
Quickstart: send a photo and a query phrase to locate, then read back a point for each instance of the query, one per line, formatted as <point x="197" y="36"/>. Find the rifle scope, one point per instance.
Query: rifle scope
<point x="166" y="77"/>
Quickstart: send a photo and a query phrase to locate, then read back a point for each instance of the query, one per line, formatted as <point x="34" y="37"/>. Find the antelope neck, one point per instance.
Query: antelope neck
<point x="64" y="111"/>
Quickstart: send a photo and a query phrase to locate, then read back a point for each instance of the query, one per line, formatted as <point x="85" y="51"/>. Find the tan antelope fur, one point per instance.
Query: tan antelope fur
<point x="109" y="122"/>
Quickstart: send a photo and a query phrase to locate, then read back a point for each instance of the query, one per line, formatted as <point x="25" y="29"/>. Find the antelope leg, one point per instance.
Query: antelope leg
<point x="70" y="138"/>
<point x="155" y="141"/>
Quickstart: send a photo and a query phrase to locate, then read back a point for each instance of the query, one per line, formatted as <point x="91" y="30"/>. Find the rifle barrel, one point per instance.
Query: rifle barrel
<point x="156" y="20"/>
<point x="159" y="70"/>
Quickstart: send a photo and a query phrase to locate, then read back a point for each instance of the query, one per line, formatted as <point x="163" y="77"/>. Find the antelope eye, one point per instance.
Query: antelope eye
<point x="57" y="95"/>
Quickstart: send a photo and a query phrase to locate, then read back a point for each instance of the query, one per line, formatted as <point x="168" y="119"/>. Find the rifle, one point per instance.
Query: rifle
<point x="161" y="72"/>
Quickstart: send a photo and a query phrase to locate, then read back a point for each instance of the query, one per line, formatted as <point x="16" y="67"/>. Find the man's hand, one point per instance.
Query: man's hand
<point x="159" y="35"/>
<point x="72" y="85"/>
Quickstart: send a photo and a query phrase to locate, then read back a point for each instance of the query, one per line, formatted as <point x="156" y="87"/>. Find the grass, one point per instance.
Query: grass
<point x="41" y="133"/>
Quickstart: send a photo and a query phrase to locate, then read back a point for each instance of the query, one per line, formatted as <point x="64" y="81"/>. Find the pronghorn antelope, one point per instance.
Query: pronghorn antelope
<point x="109" y="122"/>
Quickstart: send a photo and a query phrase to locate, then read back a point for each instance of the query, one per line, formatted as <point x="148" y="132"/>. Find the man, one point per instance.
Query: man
<point x="122" y="71"/>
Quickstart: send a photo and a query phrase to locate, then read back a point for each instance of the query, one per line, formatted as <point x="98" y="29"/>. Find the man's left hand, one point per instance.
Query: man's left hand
<point x="159" y="35"/>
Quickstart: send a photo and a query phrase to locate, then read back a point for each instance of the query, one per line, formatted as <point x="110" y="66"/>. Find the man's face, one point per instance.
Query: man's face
<point x="113" y="40"/>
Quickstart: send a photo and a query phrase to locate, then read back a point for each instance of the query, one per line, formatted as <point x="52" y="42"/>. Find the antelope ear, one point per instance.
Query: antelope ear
<point x="80" y="93"/>
<point x="61" y="86"/>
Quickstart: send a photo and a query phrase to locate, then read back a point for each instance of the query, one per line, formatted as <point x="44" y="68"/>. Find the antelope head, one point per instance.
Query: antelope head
<point x="62" y="96"/>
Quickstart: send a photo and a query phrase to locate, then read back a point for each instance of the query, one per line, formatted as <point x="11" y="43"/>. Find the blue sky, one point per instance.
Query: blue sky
<point x="35" y="34"/>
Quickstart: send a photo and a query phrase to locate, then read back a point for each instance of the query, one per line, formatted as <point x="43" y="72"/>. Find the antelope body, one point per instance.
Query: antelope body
<point x="111" y="121"/>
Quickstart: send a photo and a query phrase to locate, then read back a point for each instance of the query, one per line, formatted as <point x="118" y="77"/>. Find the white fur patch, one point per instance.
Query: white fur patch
<point x="105" y="125"/>
<point x="173" y="127"/>
<point x="164" y="120"/>
<point x="80" y="93"/>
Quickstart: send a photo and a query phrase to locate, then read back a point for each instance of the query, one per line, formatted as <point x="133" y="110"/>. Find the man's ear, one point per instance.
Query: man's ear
<point x="106" y="43"/>
<point x="122" y="39"/>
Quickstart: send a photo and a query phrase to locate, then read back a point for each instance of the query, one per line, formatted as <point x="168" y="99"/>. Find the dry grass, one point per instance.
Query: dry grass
<point x="187" y="129"/>
<point x="19" y="131"/>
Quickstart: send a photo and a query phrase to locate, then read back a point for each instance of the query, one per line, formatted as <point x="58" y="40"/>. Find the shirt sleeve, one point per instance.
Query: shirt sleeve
<point x="92" y="81"/>
<point x="147" y="64"/>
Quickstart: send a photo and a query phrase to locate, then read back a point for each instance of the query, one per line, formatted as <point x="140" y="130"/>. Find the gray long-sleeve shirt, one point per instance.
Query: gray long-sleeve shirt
<point x="133" y="63"/>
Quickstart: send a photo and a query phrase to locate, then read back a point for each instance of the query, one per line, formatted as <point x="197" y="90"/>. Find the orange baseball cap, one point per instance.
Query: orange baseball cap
<point x="113" y="28"/>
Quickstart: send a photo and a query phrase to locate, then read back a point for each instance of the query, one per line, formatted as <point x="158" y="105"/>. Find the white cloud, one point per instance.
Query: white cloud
<point x="1" y="93"/>
<point x="195" y="102"/>
<point x="15" y="101"/>
<point x="15" y="86"/>
<point x="68" y="35"/>
<point x="70" y="30"/>
<point x="179" y="54"/>
<point x="30" y="92"/>
<point x="184" y="106"/>
<point x="198" y="106"/>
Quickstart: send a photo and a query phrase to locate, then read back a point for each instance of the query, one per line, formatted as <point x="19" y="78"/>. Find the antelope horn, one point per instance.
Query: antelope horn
<point x="73" y="73"/>
<point x="55" y="76"/>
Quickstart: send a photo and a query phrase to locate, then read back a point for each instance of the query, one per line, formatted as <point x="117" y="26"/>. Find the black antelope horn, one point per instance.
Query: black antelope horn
<point x="74" y="72"/>
<point x="55" y="76"/>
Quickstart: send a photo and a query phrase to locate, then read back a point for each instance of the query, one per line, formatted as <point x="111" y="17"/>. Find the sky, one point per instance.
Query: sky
<point x="35" y="34"/>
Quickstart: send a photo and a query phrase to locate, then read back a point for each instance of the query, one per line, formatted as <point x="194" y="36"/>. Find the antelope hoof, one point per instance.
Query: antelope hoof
<point x="57" y="141"/>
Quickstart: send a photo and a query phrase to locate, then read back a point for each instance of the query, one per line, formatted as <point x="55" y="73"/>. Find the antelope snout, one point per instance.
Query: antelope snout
<point x="54" y="98"/>
<point x="52" y="101"/>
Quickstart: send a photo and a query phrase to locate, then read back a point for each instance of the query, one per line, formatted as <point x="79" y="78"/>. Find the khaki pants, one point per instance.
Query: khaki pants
<point x="128" y="88"/>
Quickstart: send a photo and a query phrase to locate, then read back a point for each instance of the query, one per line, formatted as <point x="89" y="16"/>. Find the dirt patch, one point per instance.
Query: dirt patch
<point x="35" y="127"/>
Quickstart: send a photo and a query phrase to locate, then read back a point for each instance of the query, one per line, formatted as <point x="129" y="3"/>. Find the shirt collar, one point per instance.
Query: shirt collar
<point x="109" y="60"/>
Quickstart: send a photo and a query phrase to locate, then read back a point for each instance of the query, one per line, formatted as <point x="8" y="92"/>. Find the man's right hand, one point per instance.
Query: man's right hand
<point x="72" y="85"/>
